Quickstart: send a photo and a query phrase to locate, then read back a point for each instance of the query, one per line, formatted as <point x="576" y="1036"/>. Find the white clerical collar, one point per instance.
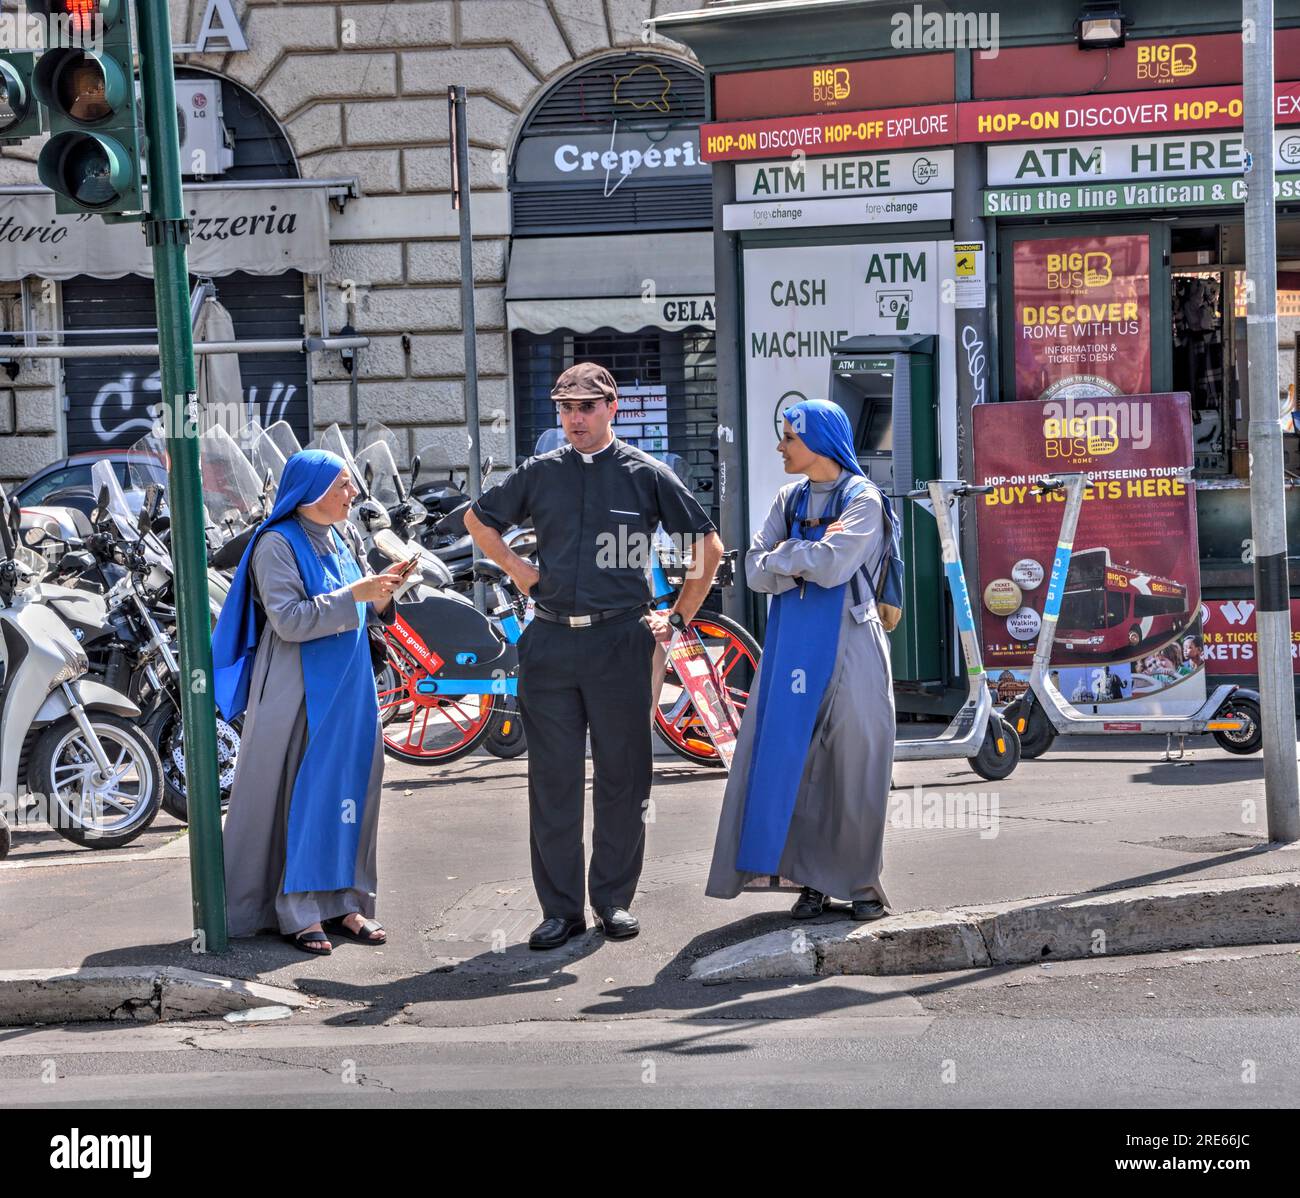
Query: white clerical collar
<point x="591" y="457"/>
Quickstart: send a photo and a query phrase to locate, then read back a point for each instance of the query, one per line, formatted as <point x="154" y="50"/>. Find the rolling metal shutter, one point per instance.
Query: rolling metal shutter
<point x="626" y="92"/>
<point x="107" y="399"/>
<point x="684" y="363"/>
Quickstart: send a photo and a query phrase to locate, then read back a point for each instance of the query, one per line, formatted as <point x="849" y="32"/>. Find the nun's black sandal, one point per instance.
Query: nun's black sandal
<point x="305" y="941"/>
<point x="364" y="936"/>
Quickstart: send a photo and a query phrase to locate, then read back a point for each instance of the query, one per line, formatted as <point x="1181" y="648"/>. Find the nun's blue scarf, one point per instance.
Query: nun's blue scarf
<point x="329" y="792"/>
<point x="799" y="653"/>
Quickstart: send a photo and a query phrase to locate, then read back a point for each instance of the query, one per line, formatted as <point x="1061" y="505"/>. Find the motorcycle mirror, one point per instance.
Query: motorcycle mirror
<point x="369" y="475"/>
<point x="153" y="497"/>
<point x="487" y="468"/>
<point x="33" y="537"/>
<point x="101" y="504"/>
<point x="415" y="468"/>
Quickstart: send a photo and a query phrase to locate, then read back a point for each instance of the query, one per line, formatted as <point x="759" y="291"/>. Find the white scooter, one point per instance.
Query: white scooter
<point x="1231" y="714"/>
<point x="976" y="732"/>
<point x="66" y="740"/>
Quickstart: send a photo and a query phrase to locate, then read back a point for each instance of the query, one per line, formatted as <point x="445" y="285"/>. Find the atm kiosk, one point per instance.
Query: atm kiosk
<point x="888" y="387"/>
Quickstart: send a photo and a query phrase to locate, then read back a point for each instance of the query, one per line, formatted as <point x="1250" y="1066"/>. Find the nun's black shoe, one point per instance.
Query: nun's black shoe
<point x="617" y="923"/>
<point x="810" y="904"/>
<point x="865" y="909"/>
<point x="553" y="932"/>
<point x="314" y="942"/>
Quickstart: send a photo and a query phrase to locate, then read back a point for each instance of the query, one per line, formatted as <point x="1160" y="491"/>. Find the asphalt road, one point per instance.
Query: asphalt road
<point x="1214" y="1030"/>
<point x="457" y="1011"/>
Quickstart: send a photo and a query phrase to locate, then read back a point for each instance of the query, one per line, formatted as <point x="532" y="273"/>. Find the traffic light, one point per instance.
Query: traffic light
<point x="85" y="81"/>
<point x="20" y="115"/>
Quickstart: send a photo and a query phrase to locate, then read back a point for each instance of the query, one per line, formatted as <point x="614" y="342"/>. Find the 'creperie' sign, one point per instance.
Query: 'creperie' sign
<point x="1116" y="114"/>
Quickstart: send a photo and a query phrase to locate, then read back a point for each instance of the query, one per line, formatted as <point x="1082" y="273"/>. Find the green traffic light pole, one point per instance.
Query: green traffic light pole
<point x="167" y="232"/>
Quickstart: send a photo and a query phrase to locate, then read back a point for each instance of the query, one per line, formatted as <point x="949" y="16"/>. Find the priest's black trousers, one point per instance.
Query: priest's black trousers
<point x="573" y="681"/>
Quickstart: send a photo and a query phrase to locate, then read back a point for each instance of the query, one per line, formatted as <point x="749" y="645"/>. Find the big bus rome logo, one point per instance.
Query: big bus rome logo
<point x="1163" y="63"/>
<point x="1080" y="436"/>
<point x="1075" y="427"/>
<point x="830" y="84"/>
<point x="1078" y="270"/>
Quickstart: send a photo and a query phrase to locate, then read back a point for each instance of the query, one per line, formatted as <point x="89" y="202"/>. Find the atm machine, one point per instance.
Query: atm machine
<point x="888" y="387"/>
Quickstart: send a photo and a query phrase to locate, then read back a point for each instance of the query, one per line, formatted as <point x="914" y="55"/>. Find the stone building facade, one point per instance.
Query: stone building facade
<point x="358" y="90"/>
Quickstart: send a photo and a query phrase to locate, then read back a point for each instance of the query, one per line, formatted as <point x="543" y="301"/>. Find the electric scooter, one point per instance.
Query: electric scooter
<point x="976" y="732"/>
<point x="1231" y="714"/>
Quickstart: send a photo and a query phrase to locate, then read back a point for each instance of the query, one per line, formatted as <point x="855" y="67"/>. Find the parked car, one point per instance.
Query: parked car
<point x="66" y="483"/>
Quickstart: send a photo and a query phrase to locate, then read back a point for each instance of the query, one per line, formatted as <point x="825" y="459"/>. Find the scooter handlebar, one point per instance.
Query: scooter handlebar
<point x="961" y="488"/>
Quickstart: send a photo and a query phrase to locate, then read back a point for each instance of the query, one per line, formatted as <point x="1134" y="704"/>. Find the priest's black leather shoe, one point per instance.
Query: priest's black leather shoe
<point x="865" y="909"/>
<point x="617" y="923"/>
<point x="553" y="932"/>
<point x="810" y="904"/>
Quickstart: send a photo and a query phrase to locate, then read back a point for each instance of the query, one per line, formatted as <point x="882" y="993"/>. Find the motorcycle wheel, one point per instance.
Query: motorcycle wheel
<point x="1251" y="738"/>
<point x="1038" y="734"/>
<point x="165" y="732"/>
<point x="736" y="654"/>
<point x="61" y="768"/>
<point x="505" y="738"/>
<point x="993" y="764"/>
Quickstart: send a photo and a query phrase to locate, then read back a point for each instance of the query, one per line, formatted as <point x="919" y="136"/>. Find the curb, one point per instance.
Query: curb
<point x="1254" y="909"/>
<point x="132" y="994"/>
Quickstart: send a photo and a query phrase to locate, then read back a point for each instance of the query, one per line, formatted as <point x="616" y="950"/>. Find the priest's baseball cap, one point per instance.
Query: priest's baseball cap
<point x="585" y="380"/>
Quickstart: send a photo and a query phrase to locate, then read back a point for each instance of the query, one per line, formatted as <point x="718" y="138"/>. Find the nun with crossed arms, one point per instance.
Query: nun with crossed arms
<point x="808" y="789"/>
<point x="291" y="650"/>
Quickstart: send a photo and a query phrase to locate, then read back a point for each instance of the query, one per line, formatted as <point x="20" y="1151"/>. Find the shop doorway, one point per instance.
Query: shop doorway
<point x="1208" y="338"/>
<point x="658" y="370"/>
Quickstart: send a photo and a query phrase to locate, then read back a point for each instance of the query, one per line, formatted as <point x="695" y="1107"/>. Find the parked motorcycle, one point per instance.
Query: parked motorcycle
<point x="68" y="741"/>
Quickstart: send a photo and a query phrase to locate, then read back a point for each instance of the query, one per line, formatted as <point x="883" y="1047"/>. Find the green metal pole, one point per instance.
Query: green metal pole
<point x="167" y="232"/>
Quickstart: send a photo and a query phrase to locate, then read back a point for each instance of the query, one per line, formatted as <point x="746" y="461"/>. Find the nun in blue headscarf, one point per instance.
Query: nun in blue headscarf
<point x="291" y="651"/>
<point x="808" y="789"/>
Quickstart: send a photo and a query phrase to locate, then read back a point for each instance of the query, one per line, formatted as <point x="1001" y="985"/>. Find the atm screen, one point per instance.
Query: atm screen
<point x="875" y="431"/>
<point x="868" y="400"/>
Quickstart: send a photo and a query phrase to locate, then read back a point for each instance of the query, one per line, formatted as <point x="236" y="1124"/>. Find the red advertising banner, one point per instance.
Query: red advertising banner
<point x="1064" y="69"/>
<point x="1230" y="638"/>
<point x="830" y="87"/>
<point x="1082" y="316"/>
<point x="1132" y="591"/>
<point x="836" y="133"/>
<point x="1053" y="117"/>
<point x="699" y="676"/>
<point x="1123" y="112"/>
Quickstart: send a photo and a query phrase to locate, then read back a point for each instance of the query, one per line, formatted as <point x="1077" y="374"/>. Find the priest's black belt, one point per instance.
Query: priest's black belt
<point x="586" y="621"/>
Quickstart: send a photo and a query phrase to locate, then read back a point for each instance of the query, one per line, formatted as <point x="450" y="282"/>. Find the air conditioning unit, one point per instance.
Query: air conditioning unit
<point x="204" y="148"/>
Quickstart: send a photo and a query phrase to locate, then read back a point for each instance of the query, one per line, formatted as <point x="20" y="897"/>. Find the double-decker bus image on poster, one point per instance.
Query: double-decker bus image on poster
<point x="1117" y="611"/>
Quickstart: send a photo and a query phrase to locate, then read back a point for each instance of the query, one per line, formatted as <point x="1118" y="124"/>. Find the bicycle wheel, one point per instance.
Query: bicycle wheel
<point x="735" y="654"/>
<point x="427" y="729"/>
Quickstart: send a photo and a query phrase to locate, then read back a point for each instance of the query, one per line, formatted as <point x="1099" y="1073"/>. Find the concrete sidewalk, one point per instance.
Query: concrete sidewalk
<point x="456" y="898"/>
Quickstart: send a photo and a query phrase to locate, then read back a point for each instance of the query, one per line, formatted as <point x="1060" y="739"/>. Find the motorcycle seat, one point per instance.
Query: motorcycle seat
<point x="489" y="571"/>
